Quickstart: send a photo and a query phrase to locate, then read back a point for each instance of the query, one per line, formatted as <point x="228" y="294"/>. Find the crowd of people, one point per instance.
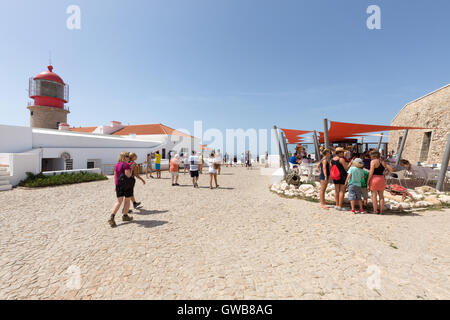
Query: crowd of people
<point x="356" y="174"/>
<point x="126" y="171"/>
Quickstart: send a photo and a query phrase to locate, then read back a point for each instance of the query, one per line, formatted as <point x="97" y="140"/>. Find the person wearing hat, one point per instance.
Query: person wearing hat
<point x="354" y="177"/>
<point x="339" y="167"/>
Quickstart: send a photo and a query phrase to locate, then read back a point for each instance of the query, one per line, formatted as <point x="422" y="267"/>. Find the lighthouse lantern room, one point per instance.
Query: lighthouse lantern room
<point x="49" y="94"/>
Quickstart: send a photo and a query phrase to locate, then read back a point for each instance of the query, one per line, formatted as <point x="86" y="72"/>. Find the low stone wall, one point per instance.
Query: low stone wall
<point x="50" y="173"/>
<point x="423" y="197"/>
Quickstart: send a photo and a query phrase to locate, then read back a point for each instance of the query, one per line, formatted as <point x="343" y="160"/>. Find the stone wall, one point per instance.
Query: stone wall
<point x="47" y="117"/>
<point x="430" y="111"/>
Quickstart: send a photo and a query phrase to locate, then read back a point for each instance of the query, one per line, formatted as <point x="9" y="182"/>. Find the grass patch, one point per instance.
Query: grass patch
<point x="40" y="180"/>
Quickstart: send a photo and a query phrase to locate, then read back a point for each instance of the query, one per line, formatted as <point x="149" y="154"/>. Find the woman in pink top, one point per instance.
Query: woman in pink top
<point x="122" y="172"/>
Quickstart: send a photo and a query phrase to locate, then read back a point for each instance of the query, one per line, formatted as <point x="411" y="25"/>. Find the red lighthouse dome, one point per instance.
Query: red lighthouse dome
<point x="48" y="89"/>
<point x="49" y="75"/>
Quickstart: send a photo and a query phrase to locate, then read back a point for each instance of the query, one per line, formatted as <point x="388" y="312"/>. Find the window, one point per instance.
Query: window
<point x="57" y="125"/>
<point x="184" y="151"/>
<point x="49" y="89"/>
<point x="426" y="142"/>
<point x="163" y="155"/>
<point x="68" y="164"/>
<point x="90" y="164"/>
<point x="31" y="112"/>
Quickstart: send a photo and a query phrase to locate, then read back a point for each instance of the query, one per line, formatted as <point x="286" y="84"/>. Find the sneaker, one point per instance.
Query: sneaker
<point x="126" y="217"/>
<point x="112" y="222"/>
<point x="353" y="211"/>
<point x="173" y="184"/>
<point x="361" y="211"/>
<point x="136" y="204"/>
<point x="130" y="211"/>
<point x="342" y="209"/>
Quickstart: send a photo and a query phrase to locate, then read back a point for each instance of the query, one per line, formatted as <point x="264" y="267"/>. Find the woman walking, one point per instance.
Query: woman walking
<point x="123" y="188"/>
<point x="377" y="183"/>
<point x="324" y="167"/>
<point x="135" y="174"/>
<point x="174" y="168"/>
<point x="213" y="167"/>
<point x="338" y="173"/>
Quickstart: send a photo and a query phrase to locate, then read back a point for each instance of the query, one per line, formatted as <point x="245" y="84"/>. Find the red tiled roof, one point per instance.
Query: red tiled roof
<point x="83" y="129"/>
<point x="148" y="129"/>
<point x="141" y="129"/>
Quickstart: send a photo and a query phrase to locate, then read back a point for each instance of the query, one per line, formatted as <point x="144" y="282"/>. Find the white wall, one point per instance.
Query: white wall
<point x="50" y="173"/>
<point x="15" y="139"/>
<point x="20" y="164"/>
<point x="107" y="156"/>
<point x="58" y="139"/>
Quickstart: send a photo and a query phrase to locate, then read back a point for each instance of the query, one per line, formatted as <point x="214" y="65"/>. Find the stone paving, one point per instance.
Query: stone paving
<point x="237" y="242"/>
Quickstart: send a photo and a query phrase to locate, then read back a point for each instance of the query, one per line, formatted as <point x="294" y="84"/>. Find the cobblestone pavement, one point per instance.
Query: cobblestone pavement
<point x="239" y="241"/>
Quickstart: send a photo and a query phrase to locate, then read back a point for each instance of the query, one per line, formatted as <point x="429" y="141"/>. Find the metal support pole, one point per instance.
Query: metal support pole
<point x="286" y="151"/>
<point x="402" y="145"/>
<point x="280" y="151"/>
<point x="379" y="142"/>
<point x="444" y="166"/>
<point x="362" y="144"/>
<point x="316" y="146"/>
<point x="325" y="134"/>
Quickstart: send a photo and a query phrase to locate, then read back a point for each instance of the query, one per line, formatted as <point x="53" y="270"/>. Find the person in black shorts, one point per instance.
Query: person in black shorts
<point x="339" y="185"/>
<point x="123" y="192"/>
<point x="194" y="162"/>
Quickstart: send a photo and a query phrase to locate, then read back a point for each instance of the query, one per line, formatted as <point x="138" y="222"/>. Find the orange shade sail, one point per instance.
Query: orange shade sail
<point x="341" y="130"/>
<point x="293" y="135"/>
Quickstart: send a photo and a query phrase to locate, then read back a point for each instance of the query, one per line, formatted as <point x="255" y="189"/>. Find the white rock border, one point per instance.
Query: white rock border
<point x="424" y="197"/>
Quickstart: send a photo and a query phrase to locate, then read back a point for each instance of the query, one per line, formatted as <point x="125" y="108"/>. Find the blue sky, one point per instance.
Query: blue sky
<point x="233" y="64"/>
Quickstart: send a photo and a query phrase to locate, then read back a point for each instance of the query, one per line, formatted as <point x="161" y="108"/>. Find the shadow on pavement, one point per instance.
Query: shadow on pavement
<point x="145" y="223"/>
<point x="146" y="212"/>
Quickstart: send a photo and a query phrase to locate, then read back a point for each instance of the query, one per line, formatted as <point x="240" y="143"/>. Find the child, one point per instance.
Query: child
<point x="353" y="181"/>
<point x="364" y="190"/>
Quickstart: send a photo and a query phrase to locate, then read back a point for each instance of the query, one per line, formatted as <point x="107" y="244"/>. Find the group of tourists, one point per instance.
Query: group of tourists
<point x="245" y="160"/>
<point x="357" y="176"/>
<point x="126" y="171"/>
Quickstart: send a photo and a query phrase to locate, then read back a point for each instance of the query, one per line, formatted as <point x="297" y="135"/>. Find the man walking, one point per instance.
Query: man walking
<point x="193" y="168"/>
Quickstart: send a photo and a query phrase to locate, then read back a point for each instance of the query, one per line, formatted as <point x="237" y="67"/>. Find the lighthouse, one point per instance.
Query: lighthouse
<point x="49" y="94"/>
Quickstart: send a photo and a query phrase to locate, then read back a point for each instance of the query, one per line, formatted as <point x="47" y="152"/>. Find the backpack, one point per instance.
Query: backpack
<point x="124" y="181"/>
<point x="335" y="174"/>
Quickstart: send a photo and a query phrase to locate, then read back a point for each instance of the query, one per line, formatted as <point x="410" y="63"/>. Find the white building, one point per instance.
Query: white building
<point x="171" y="140"/>
<point x="24" y="149"/>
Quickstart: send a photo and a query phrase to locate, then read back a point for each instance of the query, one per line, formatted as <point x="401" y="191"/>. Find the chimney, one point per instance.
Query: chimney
<point x="63" y="127"/>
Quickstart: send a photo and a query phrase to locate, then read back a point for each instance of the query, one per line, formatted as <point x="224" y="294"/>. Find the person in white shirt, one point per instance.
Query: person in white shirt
<point x="194" y="161"/>
<point x="213" y="164"/>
